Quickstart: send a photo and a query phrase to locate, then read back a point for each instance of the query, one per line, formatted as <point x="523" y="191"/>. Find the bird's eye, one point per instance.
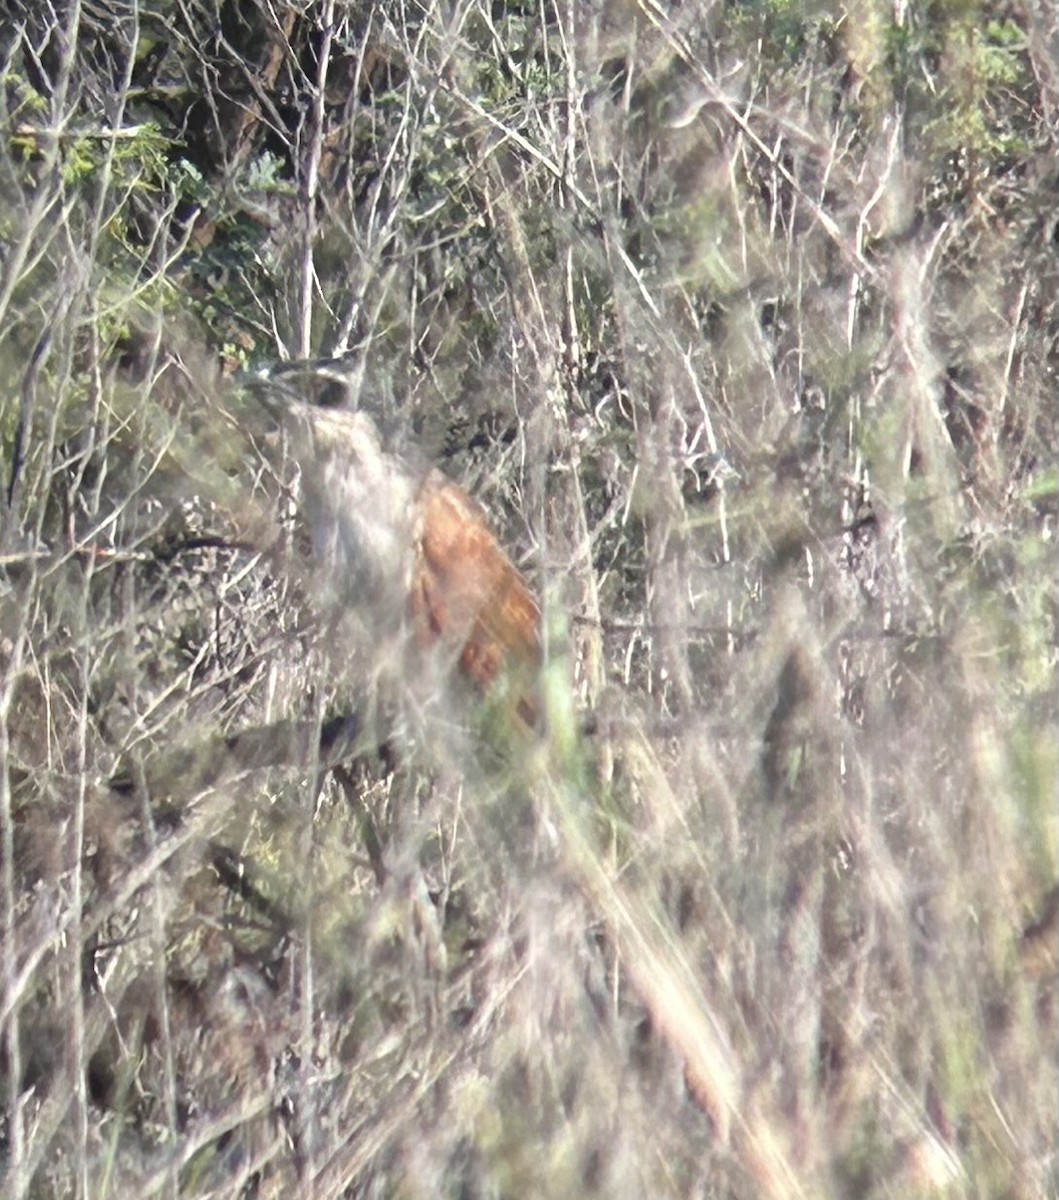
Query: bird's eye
<point x="329" y="393"/>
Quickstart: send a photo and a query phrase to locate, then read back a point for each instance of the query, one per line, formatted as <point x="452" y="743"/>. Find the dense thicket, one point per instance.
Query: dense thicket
<point x="741" y="320"/>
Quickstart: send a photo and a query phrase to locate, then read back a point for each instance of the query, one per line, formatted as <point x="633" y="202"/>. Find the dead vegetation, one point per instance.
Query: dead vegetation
<point x="741" y="321"/>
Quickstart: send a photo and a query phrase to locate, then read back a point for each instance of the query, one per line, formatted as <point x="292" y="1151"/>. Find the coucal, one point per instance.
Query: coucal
<point x="406" y="545"/>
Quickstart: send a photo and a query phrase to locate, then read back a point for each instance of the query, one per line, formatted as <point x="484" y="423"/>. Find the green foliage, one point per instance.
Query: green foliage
<point x="783" y="32"/>
<point x="984" y="66"/>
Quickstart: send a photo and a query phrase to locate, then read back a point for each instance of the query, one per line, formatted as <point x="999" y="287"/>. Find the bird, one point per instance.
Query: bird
<point x="406" y="544"/>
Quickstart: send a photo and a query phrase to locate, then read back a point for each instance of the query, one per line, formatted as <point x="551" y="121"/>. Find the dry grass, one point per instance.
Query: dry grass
<point x="741" y="322"/>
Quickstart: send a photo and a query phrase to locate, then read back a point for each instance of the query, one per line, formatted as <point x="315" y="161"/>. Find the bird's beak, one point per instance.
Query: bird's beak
<point x="284" y="396"/>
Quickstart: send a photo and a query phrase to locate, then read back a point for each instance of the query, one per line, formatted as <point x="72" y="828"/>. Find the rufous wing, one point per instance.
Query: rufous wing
<point x="468" y="596"/>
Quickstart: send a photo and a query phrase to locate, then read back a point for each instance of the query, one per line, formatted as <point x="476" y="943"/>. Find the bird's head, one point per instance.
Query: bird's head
<point x="358" y="498"/>
<point x="315" y="399"/>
